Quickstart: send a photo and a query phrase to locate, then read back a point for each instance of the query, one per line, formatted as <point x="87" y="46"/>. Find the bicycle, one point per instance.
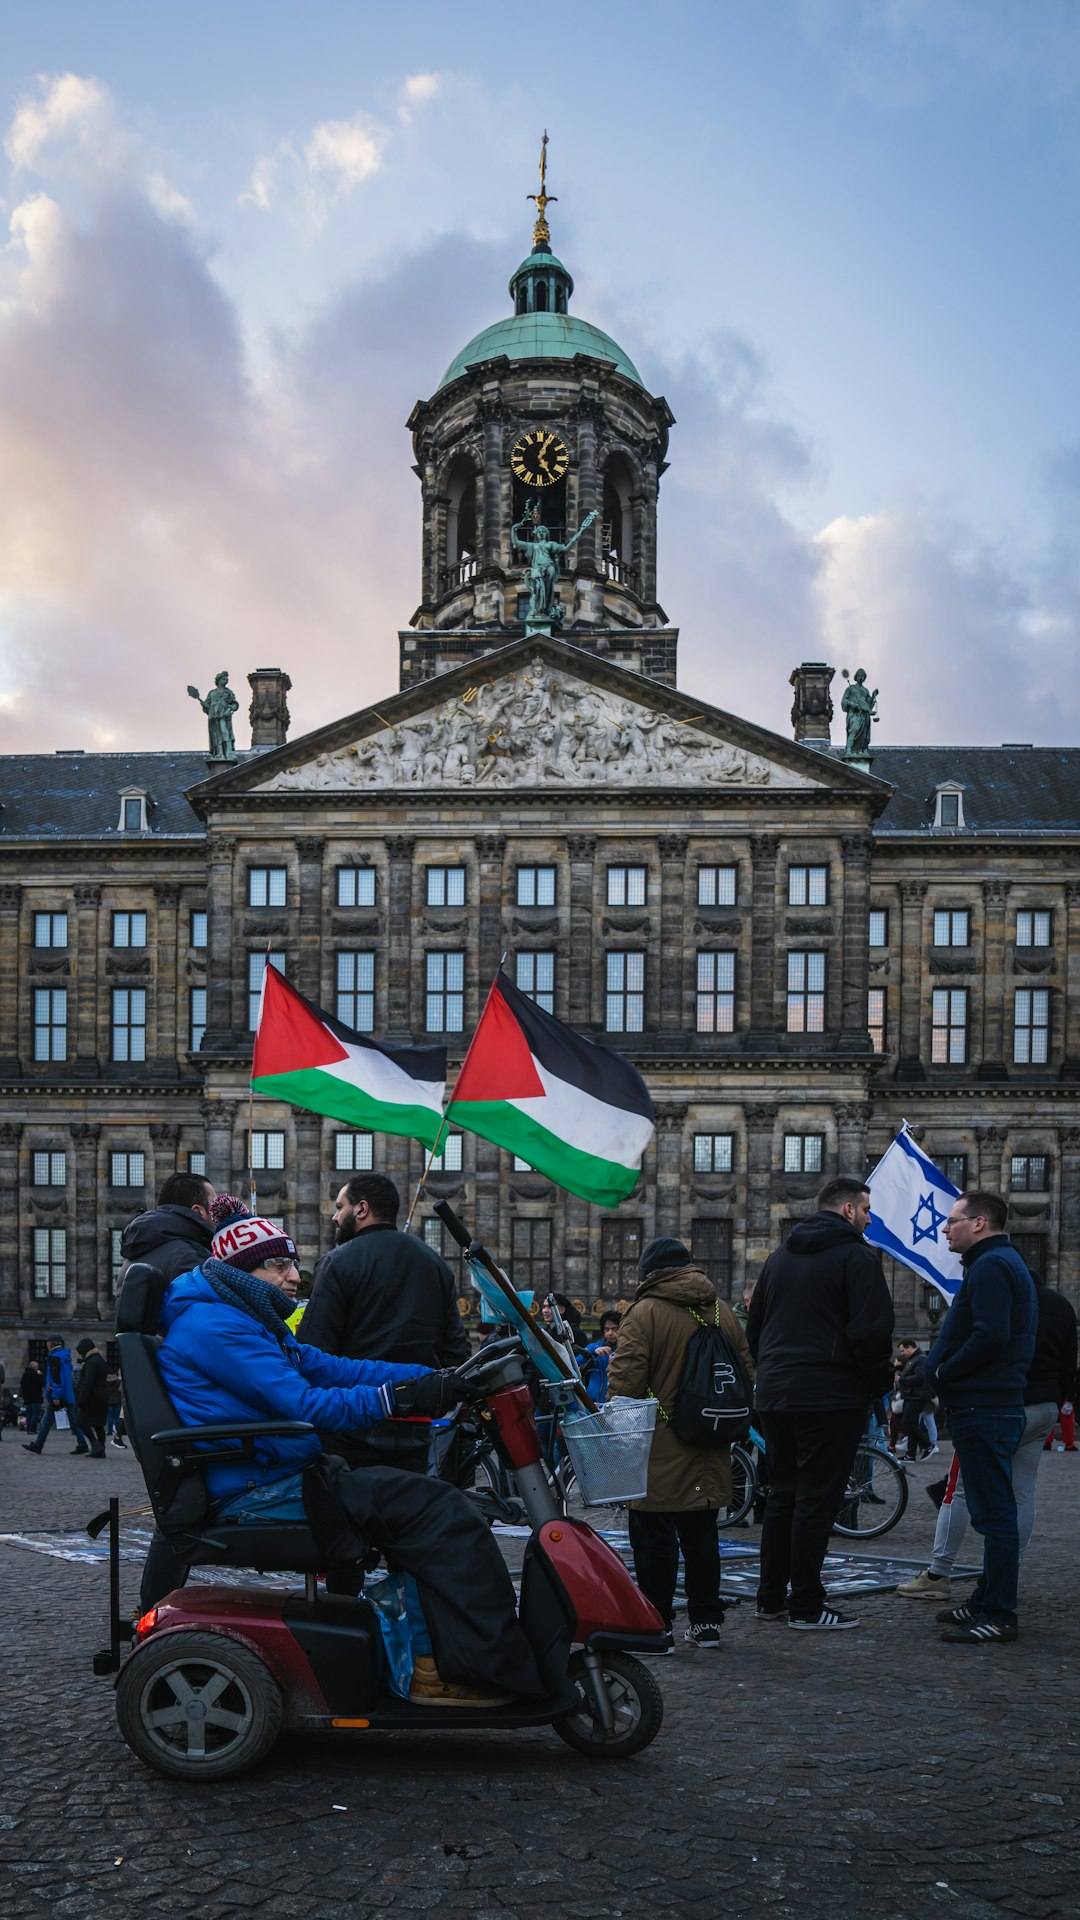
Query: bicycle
<point x="875" y="1499"/>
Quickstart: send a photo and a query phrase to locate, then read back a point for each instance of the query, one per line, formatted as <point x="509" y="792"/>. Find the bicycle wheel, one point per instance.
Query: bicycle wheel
<point x="877" y="1494"/>
<point x="744" y="1486"/>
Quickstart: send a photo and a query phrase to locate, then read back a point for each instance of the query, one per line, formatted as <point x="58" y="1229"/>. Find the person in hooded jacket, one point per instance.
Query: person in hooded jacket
<point x="92" y="1400"/>
<point x="687" y="1486"/>
<point x="820" y="1328"/>
<point x="59" y="1397"/>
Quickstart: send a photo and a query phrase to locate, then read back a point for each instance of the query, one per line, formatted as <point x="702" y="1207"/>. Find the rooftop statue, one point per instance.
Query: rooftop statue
<point x="219" y="706"/>
<point x="859" y="704"/>
<point x="541" y="575"/>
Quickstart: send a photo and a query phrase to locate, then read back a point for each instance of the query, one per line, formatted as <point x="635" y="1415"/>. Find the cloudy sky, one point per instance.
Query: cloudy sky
<point x="240" y="240"/>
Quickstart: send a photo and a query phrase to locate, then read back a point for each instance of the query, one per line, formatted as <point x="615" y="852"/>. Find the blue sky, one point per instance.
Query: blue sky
<point x="241" y="240"/>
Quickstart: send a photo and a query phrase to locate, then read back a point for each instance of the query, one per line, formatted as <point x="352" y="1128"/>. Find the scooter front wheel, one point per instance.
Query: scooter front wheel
<point x="636" y="1700"/>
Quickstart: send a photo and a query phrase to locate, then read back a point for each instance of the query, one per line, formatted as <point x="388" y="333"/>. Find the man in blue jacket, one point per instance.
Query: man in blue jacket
<point x="980" y="1363"/>
<point x="59" y="1396"/>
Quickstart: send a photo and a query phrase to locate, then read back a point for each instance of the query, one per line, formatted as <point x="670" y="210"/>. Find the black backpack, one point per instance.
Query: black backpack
<point x="712" y="1406"/>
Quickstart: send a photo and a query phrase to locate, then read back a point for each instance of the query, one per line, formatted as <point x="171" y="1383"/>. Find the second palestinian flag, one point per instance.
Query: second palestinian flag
<point x="572" y="1110"/>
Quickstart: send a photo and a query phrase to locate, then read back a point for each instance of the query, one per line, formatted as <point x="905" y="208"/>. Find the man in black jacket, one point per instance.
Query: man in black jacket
<point x="91" y="1399"/>
<point x="383" y="1295"/>
<point x="820" y="1328"/>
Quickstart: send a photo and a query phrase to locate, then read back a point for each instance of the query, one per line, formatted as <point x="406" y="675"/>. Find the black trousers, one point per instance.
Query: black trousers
<point x="915" y="1427"/>
<point x="809" y="1457"/>
<point x="655" y="1539"/>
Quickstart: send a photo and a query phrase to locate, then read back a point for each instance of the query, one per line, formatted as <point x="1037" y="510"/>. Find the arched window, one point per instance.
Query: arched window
<point x="618" y="512"/>
<point x="541" y="296"/>
<point x="560" y="299"/>
<point x="460" y="515"/>
<point x="522" y="298"/>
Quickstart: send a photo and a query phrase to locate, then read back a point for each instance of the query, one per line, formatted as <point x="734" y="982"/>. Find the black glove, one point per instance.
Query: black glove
<point x="430" y="1396"/>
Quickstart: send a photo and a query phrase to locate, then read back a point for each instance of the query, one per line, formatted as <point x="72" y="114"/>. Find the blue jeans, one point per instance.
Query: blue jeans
<point x="48" y="1421"/>
<point x="985" y="1439"/>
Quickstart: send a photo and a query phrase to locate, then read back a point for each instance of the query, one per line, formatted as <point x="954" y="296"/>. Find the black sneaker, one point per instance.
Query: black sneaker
<point x="705" y="1634"/>
<point x="827" y="1621"/>
<point x="658" y="1653"/>
<point x="980" y="1633"/>
<point x="956" y="1617"/>
<point x="29" y="1447"/>
<point x="772" y="1614"/>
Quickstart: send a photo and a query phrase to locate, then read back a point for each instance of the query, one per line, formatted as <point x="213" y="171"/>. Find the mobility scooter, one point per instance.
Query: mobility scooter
<point x="217" y="1672"/>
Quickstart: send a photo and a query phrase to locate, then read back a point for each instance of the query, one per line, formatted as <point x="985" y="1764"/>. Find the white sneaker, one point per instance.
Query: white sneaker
<point x="826" y="1622"/>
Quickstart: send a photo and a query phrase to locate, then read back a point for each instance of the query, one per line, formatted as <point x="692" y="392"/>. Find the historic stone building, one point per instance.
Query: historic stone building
<point x="797" y="951"/>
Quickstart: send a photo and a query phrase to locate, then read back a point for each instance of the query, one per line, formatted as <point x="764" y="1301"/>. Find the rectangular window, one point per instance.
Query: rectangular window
<point x="710" y="1249"/>
<point x="267" y="1151"/>
<point x="116" y="1254"/>
<point x="948" y="1036"/>
<point x="446" y="886"/>
<point x="445" y="992"/>
<point x="952" y="927"/>
<point x="520" y="1165"/>
<point x="196" y="1017"/>
<point x="257" y="965"/>
<point x="716" y="886"/>
<point x="1034" y="928"/>
<point x="808" y="886"/>
<point x="875" y="1017"/>
<point x="354" y="1152"/>
<point x="948" y="809"/>
<point x="50" y="1263"/>
<point x="1032" y="1249"/>
<point x="535" y="976"/>
<point x="50" y="929"/>
<point x="803" y="1152"/>
<point x="879" y="927"/>
<point x="356" y="887"/>
<point x="196" y="1162"/>
<point x="50" y="1169"/>
<point x="129" y="929"/>
<point x="438" y="1239"/>
<point x="266" y="886"/>
<point x="129" y="1023"/>
<point x="716" y="993"/>
<point x="536" y="886"/>
<point x="133" y="816"/>
<point x="713" y="1152"/>
<point x="620" y="1250"/>
<point x="530" y="1255"/>
<point x="50" y="1023"/>
<point x="198" y="927"/>
<point x="356" y="991"/>
<point x="954" y="1167"/>
<point x="806" y="993"/>
<point x="448" y="1159"/>
<point x="127" y="1169"/>
<point x="1031" y="1026"/>
<point x="625" y="1000"/>
<point x="1028" y="1173"/>
<point x="626" y="886"/>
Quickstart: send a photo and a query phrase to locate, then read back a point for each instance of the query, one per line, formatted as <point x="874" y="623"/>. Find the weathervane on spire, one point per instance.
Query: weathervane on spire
<point x="541" y="232"/>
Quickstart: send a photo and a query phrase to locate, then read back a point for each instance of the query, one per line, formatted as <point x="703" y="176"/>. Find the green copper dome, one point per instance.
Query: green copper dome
<point x="541" y="336"/>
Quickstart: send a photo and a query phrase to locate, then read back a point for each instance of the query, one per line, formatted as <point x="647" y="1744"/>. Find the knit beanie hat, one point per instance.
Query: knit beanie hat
<point x="662" y="1253"/>
<point x="85" y="1345"/>
<point x="245" y="1240"/>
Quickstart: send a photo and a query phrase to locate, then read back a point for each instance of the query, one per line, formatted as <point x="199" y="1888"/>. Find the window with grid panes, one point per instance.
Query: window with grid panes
<point x="875" y="1018"/>
<point x="199" y="921"/>
<point x="129" y="1023"/>
<point x="50" y="929"/>
<point x="266" y="887"/>
<point x="196" y="1017"/>
<point x="626" y="886"/>
<point x="952" y="927"/>
<point x="50" y="1263"/>
<point x="257" y="965"/>
<point x="267" y="1150"/>
<point x="520" y="1165"/>
<point x="716" y="993"/>
<point x="1028" y="1173"/>
<point x="878" y="927"/>
<point x="1032" y="1250"/>
<point x="356" y="887"/>
<point x="196" y="1162"/>
<point x="536" y="886"/>
<point x="129" y="929"/>
<point x="1034" y="927"/>
<point x="446" y="886"/>
<point x="624" y="1008"/>
<point x="116" y="1254"/>
<point x="806" y="993"/>
<point x="49" y="1169"/>
<point x="530" y="1255"/>
<point x="127" y="1169"/>
<point x="954" y="1167"/>
<point x="808" y="886"/>
<point x="716" y="886"/>
<point x="535" y="976"/>
<point x="803" y="1152"/>
<point x="50" y="1023"/>
<point x="448" y="1158"/>
<point x="437" y="1237"/>
<point x="948" y="1032"/>
<point x="1031" y="1026"/>
<point x="713" y="1152"/>
<point x="620" y="1250"/>
<point x="444" y="1005"/>
<point x="356" y="991"/>
<point x="710" y="1249"/>
<point x="354" y="1152"/>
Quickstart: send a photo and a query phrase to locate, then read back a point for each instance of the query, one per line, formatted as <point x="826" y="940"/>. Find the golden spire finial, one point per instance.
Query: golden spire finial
<point x="541" y="233"/>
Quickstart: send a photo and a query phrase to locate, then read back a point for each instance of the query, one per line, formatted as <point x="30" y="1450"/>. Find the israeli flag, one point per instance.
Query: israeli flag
<point x="910" y="1200"/>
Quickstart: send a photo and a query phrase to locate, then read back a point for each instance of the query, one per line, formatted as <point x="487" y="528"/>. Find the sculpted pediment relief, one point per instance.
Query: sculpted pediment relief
<point x="535" y="728"/>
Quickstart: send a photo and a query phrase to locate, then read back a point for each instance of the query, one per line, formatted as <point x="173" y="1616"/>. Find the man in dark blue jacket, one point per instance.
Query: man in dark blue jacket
<point x="980" y="1363"/>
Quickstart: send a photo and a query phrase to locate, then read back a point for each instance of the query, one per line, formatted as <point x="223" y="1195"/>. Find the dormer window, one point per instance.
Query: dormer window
<point x="133" y="811"/>
<point x="949" y="805"/>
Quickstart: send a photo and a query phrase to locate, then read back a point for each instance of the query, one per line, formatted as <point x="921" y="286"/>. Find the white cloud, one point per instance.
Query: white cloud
<point x="415" y="91"/>
<point x="70" y="107"/>
<point x="352" y="149"/>
<point x="335" y="158"/>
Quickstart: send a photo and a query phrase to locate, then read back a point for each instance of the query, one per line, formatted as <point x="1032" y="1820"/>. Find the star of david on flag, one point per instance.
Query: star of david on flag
<point x="910" y="1200"/>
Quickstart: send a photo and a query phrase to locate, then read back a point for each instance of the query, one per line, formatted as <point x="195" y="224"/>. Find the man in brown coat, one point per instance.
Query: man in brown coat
<point x="687" y="1485"/>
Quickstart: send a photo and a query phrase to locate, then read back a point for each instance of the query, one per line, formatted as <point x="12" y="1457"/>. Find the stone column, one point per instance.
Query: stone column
<point x="909" y="1065"/>
<point x="760" y="1124"/>
<point x="1072" y="979"/>
<point x="310" y="853"/>
<point x="851" y="1122"/>
<point x="991" y="1148"/>
<point x="676" y="952"/>
<point x="492" y="531"/>
<point x="580" y="849"/>
<point x="995" y="898"/>
<point x="812" y="709"/>
<point x="1068" y="1274"/>
<point x="764" y="848"/>
<point x="855" y="953"/>
<point x="14" y="1296"/>
<point x="11" y="987"/>
<point x="269" y="712"/>
<point x="309" y="1205"/>
<point x="400" y="959"/>
<point x="88" y="1049"/>
<point x="490" y="849"/>
<point x="89" y="1255"/>
<point x="170" y="1033"/>
<point x="165" y="1135"/>
<point x="224" y="1003"/>
<point x="670" y="1170"/>
<point x="219" y="1122"/>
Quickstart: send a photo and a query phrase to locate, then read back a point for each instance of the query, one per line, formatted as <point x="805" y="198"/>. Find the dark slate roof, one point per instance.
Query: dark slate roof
<point x="66" y="796"/>
<point x="1007" y="790"/>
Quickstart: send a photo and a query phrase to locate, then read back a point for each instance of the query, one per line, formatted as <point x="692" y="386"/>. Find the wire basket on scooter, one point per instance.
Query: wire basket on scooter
<point x="610" y="1451"/>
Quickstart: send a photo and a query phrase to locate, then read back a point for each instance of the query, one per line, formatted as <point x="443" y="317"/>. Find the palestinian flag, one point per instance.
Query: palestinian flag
<point x="306" y="1057"/>
<point x="574" y="1111"/>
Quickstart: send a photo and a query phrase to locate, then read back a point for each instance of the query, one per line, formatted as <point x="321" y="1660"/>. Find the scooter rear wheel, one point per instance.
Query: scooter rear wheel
<point x="637" y="1702"/>
<point x="198" y="1706"/>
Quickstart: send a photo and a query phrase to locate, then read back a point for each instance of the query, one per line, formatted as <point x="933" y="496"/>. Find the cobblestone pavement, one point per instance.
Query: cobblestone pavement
<point x="873" y="1773"/>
